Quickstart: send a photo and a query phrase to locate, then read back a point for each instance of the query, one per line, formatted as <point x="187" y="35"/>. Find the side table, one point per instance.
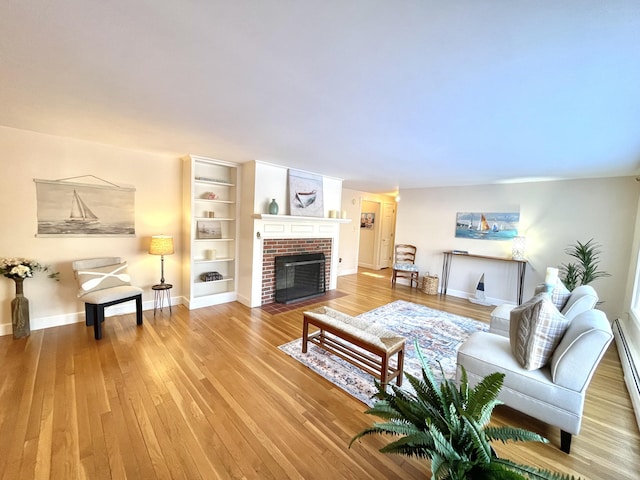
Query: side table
<point x="162" y="292"/>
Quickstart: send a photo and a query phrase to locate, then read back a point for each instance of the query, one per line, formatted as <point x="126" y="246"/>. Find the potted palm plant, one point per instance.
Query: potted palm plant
<point x="585" y="270"/>
<point x="449" y="424"/>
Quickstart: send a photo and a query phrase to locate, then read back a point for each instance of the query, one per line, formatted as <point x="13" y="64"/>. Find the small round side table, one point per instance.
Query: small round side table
<point x="162" y="292"/>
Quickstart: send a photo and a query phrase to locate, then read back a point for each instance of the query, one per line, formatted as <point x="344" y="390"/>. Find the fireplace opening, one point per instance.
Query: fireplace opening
<point x="299" y="277"/>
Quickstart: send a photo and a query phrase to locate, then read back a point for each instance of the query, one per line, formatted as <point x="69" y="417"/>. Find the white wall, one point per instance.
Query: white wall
<point x="553" y="215"/>
<point x="27" y="155"/>
<point x="349" y="233"/>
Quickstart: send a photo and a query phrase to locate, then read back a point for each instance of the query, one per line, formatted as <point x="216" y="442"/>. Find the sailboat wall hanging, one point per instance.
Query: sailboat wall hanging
<point x="487" y="226"/>
<point x="70" y="208"/>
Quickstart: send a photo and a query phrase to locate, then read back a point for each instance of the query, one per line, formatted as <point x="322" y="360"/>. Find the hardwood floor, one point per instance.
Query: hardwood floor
<point x="206" y="394"/>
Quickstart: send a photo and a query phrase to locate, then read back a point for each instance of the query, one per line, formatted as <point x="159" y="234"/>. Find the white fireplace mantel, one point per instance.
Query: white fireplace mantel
<point x="296" y="218"/>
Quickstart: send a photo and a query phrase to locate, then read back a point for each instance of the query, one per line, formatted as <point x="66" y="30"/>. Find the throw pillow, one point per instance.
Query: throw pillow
<point x="560" y="295"/>
<point x="536" y="327"/>
<point x="99" y="278"/>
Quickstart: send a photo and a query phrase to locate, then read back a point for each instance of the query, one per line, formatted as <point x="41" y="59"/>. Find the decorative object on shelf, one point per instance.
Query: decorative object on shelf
<point x="517" y="247"/>
<point x="209" y="229"/>
<point x="18" y="269"/>
<point x="273" y="207"/>
<point x="210" y="276"/>
<point x="211" y="214"/>
<point x="305" y="194"/>
<point x="210" y="196"/>
<point x="487" y="226"/>
<point x="161" y="245"/>
<point x="210" y="254"/>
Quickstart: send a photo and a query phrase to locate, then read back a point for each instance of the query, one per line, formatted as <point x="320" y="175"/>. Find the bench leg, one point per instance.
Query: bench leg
<point x="400" y="367"/>
<point x="139" y="309"/>
<point x="89" y="314"/>
<point x="305" y="334"/>
<point x="97" y="323"/>
<point x="384" y="372"/>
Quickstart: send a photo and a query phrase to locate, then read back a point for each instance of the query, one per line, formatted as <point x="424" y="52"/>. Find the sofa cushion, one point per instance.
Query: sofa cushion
<point x="536" y="327"/>
<point x="100" y="278"/>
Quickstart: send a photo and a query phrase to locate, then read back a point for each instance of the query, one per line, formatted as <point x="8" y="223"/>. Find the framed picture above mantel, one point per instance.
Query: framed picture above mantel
<point x="305" y="194"/>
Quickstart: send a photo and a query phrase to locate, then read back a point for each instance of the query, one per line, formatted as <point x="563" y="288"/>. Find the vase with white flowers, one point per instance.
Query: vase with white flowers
<point x="18" y="269"/>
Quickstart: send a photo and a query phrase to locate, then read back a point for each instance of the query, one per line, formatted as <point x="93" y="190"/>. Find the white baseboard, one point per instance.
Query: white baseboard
<point x="627" y="334"/>
<point x="466" y="295"/>
<point x="39" y="323"/>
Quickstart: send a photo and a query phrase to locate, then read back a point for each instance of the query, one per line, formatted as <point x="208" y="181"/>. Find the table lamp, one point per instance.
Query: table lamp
<point x="161" y="245"/>
<point x="517" y="247"/>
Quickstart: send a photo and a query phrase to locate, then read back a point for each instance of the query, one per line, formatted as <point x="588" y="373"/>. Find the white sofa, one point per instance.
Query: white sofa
<point x="581" y="298"/>
<point x="554" y="393"/>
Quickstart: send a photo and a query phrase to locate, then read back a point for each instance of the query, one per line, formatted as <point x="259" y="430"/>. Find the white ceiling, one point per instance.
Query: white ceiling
<point x="384" y="94"/>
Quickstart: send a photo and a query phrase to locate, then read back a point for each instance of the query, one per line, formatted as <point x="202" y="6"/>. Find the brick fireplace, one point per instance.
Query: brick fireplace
<point x="276" y="247"/>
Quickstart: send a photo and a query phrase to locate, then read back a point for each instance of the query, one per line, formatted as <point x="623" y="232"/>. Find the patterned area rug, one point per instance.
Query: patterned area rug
<point x="439" y="335"/>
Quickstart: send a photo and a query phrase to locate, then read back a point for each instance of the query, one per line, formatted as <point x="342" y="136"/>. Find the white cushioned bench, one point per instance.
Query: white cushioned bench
<point x="365" y="345"/>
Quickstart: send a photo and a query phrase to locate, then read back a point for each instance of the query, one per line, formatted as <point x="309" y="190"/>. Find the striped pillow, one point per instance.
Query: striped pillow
<point x="535" y="330"/>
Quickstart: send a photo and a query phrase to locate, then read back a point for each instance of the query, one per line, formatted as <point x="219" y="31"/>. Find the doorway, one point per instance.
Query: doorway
<point x="377" y="230"/>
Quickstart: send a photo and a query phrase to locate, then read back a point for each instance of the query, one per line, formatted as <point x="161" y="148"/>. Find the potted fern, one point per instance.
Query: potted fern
<point x="449" y="424"/>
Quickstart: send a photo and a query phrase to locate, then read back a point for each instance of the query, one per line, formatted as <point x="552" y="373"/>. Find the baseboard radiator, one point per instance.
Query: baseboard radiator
<point x="630" y="361"/>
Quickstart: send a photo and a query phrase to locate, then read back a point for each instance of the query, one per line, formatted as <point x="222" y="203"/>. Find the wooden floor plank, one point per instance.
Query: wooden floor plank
<point x="207" y="394"/>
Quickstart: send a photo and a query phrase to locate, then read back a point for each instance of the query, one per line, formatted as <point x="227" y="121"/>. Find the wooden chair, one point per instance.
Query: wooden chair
<point x="404" y="265"/>
<point x="104" y="282"/>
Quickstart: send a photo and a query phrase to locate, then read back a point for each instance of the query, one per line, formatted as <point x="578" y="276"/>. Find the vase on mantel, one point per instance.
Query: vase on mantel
<point x="20" y="311"/>
<point x="273" y="207"/>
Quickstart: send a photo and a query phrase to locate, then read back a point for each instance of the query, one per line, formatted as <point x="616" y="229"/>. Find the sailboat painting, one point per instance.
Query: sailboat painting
<point x="487" y="226"/>
<point x="73" y="209"/>
<point x="305" y="194"/>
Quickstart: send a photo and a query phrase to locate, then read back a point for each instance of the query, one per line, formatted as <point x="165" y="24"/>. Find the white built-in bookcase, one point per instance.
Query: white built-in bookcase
<point x="210" y="239"/>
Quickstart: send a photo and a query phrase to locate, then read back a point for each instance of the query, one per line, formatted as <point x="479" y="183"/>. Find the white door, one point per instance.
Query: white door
<point x="386" y="240"/>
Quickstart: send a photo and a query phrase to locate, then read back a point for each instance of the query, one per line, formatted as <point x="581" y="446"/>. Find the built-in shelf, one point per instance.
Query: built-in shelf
<point x="213" y="200"/>
<point x="204" y="177"/>
<point x="213" y="260"/>
<point x="296" y="218"/>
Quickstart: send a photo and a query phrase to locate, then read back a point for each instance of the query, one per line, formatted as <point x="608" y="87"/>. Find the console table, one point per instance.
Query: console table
<point x="446" y="269"/>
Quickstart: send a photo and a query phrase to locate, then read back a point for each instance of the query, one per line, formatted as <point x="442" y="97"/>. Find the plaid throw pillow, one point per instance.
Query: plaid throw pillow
<point x="535" y="330"/>
<point x="560" y="295"/>
<point x="99" y="278"/>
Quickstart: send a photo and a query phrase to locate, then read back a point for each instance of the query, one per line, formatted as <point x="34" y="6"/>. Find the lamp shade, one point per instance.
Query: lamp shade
<point x="161" y="245"/>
